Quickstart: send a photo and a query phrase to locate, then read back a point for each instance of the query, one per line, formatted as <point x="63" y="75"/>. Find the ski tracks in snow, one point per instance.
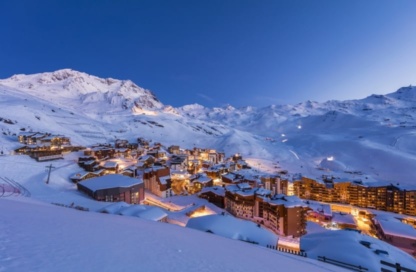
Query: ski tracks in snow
<point x="294" y="154"/>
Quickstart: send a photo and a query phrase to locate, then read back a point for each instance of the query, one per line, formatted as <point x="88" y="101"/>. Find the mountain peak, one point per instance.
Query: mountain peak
<point x="405" y="93"/>
<point x="81" y="90"/>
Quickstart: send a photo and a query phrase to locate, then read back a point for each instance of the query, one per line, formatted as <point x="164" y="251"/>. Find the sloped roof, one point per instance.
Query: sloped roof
<point x="110" y="181"/>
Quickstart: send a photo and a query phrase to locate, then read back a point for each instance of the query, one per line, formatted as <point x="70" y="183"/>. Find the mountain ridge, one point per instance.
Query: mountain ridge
<point x="374" y="135"/>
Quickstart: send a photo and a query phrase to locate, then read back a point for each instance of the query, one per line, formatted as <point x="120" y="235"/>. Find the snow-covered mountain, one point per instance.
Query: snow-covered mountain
<point x="79" y="91"/>
<point x="372" y="139"/>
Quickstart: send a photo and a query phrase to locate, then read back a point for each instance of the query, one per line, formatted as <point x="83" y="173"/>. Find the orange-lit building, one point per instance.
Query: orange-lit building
<point x="387" y="198"/>
<point x="285" y="215"/>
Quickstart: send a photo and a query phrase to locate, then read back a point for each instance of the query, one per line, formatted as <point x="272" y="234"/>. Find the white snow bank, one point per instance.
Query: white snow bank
<point x="230" y="227"/>
<point x="40" y="237"/>
<point x="345" y="246"/>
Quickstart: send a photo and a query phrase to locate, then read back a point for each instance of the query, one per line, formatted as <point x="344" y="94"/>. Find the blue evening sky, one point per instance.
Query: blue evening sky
<point x="218" y="52"/>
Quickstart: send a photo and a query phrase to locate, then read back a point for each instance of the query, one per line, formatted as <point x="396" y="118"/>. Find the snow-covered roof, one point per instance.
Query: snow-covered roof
<point x="110" y="164"/>
<point x="312" y="227"/>
<point x="287" y="201"/>
<point x="99" y="171"/>
<point x="79" y="175"/>
<point x="89" y="162"/>
<point x="146" y="157"/>
<point x="231" y="227"/>
<point x="343" y="218"/>
<point x="130" y="210"/>
<point x="218" y="190"/>
<point x="394" y="227"/>
<point x="113" y="208"/>
<point x="151" y="213"/>
<point x="232" y="188"/>
<point x="201" y="179"/>
<point x="110" y="181"/>
<point x="263" y="192"/>
<point x="244" y="185"/>
<point x="164" y="179"/>
<point x="246" y="192"/>
<point x="27" y="133"/>
<point x="230" y="176"/>
<point x="324" y="209"/>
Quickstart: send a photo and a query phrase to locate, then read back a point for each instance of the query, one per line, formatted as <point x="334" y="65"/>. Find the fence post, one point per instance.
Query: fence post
<point x="398" y="267"/>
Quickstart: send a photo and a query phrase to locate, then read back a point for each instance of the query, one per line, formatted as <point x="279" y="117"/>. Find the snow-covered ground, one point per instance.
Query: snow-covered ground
<point x="231" y="227"/>
<point x="35" y="236"/>
<point x="359" y="249"/>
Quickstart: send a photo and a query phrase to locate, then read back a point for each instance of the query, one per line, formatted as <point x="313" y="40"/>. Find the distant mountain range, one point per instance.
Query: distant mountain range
<point x="372" y="139"/>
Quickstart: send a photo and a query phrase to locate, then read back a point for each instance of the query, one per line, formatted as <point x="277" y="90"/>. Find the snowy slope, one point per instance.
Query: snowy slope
<point x="362" y="249"/>
<point x="374" y="136"/>
<point x="40" y="237"/>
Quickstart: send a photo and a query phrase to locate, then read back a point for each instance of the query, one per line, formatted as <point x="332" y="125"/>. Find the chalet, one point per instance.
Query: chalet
<point x="232" y="178"/>
<point x="215" y="157"/>
<point x="180" y="182"/>
<point x="133" y="146"/>
<point x="114" y="188"/>
<point x="130" y="172"/>
<point x="82" y="176"/>
<point x="28" y="149"/>
<point x="177" y="162"/>
<point x="30" y="138"/>
<point x="122" y="152"/>
<point x="174" y="149"/>
<point x="47" y="155"/>
<point x="100" y="172"/>
<point x="236" y="157"/>
<point x="194" y="166"/>
<point x="56" y="141"/>
<point x="200" y="181"/>
<point x="157" y="154"/>
<point x="104" y="152"/>
<point x="100" y="151"/>
<point x="145" y="161"/>
<point x="242" y="164"/>
<point x="89" y="163"/>
<point x="142" y="142"/>
<point x="26" y="136"/>
<point x="216" y="171"/>
<point x="119" y="143"/>
<point x="110" y="167"/>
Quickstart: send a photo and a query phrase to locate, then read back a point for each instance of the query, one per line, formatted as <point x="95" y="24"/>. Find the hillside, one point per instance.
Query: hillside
<point x="374" y="137"/>
<point x="41" y="237"/>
